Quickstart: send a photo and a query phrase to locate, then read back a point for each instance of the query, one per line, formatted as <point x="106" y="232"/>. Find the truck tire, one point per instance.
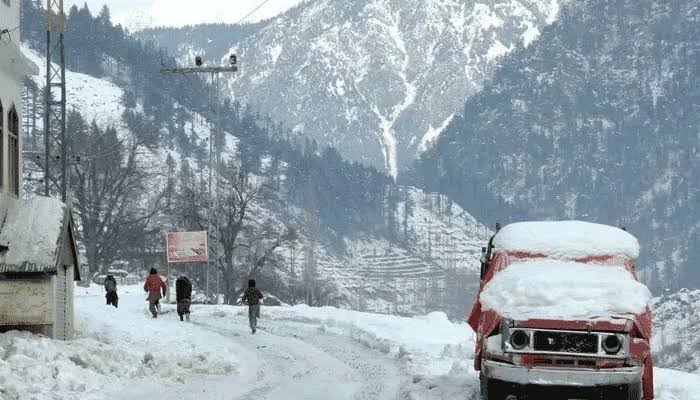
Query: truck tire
<point x="492" y="389"/>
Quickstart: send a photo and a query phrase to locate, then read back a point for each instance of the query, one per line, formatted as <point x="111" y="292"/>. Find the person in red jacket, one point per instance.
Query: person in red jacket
<point x="153" y="286"/>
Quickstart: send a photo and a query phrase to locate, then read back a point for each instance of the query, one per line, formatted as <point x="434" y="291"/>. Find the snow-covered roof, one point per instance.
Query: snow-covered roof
<point x="566" y="240"/>
<point x="554" y="289"/>
<point x="31" y="233"/>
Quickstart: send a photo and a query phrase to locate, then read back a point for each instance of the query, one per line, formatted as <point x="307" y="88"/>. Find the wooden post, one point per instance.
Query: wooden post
<point x="167" y="281"/>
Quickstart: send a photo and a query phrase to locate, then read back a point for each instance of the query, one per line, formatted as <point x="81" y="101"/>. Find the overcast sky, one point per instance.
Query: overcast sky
<point x="136" y="14"/>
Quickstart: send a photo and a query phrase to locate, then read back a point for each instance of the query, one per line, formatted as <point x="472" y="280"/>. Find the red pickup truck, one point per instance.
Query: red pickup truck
<point x="561" y="314"/>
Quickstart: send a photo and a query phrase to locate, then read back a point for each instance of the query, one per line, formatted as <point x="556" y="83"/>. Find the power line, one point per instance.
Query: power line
<point x="253" y="11"/>
<point x="7" y="32"/>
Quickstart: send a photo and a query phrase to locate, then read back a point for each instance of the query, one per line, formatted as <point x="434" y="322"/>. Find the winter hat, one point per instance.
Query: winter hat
<point x="251" y="283"/>
<point x="153" y="271"/>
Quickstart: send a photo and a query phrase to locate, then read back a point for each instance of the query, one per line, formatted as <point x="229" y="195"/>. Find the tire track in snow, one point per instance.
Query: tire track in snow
<point x="297" y="352"/>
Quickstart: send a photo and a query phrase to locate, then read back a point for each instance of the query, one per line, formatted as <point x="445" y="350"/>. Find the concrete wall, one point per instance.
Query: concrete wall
<point x="63" y="293"/>
<point x="63" y="327"/>
<point x="27" y="302"/>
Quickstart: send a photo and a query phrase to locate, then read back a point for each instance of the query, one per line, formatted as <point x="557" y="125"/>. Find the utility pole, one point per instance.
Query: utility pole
<point x="214" y="134"/>
<point x="55" y="139"/>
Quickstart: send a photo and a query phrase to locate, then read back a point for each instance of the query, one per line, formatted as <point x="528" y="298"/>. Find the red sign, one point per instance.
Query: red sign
<point x="184" y="247"/>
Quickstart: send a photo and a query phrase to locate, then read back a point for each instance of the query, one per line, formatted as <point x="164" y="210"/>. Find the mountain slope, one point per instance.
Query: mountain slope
<point x="428" y="222"/>
<point x="597" y="120"/>
<point x="677" y="330"/>
<point x="137" y="15"/>
<point x="378" y="79"/>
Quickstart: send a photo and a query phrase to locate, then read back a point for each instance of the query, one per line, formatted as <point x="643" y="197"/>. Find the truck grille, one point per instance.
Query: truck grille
<point x="565" y="342"/>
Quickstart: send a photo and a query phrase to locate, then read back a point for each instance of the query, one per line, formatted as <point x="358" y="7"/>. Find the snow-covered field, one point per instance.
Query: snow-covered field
<point x="299" y="353"/>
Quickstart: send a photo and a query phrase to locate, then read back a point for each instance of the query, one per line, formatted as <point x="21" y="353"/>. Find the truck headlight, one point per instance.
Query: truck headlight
<point x="519" y="340"/>
<point x="612" y="344"/>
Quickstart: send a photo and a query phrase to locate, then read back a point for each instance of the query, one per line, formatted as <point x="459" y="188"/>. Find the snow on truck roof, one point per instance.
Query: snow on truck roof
<point x="556" y="289"/>
<point x="566" y="239"/>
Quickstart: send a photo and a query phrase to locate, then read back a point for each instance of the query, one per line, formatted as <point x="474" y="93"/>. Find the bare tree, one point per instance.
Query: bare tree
<point x="245" y="241"/>
<point x="109" y="185"/>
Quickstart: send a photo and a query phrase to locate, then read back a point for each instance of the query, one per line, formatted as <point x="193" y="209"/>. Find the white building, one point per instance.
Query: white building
<point x="38" y="260"/>
<point x="14" y="66"/>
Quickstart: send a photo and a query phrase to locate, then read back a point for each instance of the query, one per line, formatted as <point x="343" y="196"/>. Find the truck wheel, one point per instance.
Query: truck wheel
<point x="492" y="389"/>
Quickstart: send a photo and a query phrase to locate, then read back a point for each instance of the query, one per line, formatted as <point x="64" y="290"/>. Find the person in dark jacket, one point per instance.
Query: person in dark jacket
<point x="252" y="297"/>
<point x="183" y="295"/>
<point x="111" y="289"/>
<point x="153" y="286"/>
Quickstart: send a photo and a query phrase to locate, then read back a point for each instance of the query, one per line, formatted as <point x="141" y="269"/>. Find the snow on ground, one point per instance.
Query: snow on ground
<point x="430" y="343"/>
<point x="114" y="348"/>
<point x="567" y="239"/>
<point x="298" y="353"/>
<point x="543" y="288"/>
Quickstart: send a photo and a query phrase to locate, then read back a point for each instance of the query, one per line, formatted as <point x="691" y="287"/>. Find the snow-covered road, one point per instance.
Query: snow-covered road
<point x="299" y="353"/>
<point x="284" y="360"/>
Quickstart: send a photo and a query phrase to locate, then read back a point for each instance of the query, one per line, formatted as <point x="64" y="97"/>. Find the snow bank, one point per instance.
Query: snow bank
<point x="566" y="239"/>
<point x="559" y="289"/>
<point x="115" y="349"/>
<point x="675" y="385"/>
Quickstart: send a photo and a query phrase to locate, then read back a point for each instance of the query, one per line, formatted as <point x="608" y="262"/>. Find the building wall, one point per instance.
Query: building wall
<point x="63" y="294"/>
<point x="26" y="302"/>
<point x="10" y="94"/>
<point x="11" y="76"/>
<point x="9" y="16"/>
<point x="60" y="309"/>
<point x="70" y="309"/>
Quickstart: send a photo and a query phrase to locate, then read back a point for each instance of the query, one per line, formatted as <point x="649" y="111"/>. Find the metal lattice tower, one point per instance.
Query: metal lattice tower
<point x="55" y="139"/>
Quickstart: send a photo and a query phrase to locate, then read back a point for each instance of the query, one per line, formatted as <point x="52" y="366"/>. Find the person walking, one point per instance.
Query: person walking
<point x="183" y="295"/>
<point x="111" y="289"/>
<point x="153" y="286"/>
<point x="252" y="297"/>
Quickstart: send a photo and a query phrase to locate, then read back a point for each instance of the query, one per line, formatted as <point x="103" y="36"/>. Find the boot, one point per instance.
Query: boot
<point x="187" y="316"/>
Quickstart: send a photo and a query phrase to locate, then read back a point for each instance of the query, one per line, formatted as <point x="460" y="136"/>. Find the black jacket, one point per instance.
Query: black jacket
<point x="252" y="296"/>
<point x="183" y="289"/>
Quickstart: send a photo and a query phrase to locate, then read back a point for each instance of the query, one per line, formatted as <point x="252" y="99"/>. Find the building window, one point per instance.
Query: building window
<point x="13" y="149"/>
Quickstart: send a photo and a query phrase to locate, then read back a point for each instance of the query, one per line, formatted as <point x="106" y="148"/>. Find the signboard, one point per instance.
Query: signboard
<point x="185" y="247"/>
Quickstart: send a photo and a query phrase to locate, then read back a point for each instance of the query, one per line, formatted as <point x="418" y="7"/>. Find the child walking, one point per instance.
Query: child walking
<point x="252" y="297"/>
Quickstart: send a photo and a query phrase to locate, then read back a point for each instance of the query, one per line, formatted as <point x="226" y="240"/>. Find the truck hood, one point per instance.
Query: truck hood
<point x="620" y="324"/>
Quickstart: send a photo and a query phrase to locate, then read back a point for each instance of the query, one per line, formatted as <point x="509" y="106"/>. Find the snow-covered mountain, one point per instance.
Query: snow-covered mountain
<point x="377" y="79"/>
<point x="438" y="241"/>
<point x="136" y="15"/>
<point x="597" y="120"/>
<point x="677" y="330"/>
